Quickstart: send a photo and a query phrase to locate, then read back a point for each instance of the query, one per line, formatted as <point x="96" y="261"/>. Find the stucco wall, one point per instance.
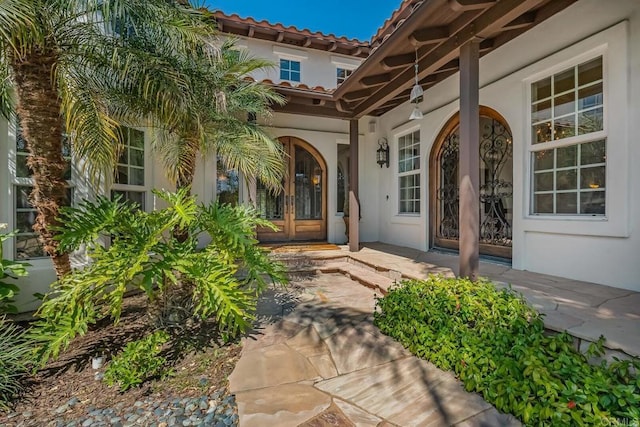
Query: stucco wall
<point x="596" y="249"/>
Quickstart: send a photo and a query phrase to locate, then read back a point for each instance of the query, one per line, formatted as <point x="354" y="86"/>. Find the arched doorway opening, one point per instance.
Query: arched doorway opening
<point x="299" y="209"/>
<point x="496" y="185"/>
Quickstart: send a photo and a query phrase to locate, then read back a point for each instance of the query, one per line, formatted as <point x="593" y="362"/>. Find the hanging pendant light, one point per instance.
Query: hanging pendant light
<point x="416" y="114"/>
<point x="416" y="91"/>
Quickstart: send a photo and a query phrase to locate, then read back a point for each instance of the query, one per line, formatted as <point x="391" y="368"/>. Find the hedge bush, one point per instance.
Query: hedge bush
<point x="496" y="344"/>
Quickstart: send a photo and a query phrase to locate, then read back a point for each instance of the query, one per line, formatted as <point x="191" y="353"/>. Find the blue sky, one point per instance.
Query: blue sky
<point x="352" y="18"/>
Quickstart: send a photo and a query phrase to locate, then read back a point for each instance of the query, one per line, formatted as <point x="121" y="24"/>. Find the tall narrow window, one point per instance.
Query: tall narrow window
<point x="27" y="245"/>
<point x="409" y="173"/>
<point x="290" y="70"/>
<point x="568" y="150"/>
<point x="129" y="182"/>
<point x="343" y="179"/>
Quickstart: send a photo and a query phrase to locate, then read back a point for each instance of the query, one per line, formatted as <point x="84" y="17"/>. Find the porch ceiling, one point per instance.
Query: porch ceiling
<point x="437" y="29"/>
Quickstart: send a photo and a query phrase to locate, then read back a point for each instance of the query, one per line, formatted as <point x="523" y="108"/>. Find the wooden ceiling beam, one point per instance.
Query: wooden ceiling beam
<point x="492" y="19"/>
<point x="429" y="35"/>
<point x="463" y="5"/>
<point x="375" y="80"/>
<point x="311" y="110"/>
<point x="397" y="61"/>
<point x="357" y="95"/>
<point x="524" y="21"/>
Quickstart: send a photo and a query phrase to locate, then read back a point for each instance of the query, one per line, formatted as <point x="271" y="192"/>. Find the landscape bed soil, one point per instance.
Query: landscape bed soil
<point x="69" y="389"/>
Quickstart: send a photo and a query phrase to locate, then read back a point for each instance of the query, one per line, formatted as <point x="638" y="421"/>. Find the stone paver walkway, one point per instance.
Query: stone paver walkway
<point x="585" y="310"/>
<point x="317" y="360"/>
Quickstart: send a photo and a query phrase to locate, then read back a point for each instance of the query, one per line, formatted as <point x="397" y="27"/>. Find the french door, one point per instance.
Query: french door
<point x="299" y="209"/>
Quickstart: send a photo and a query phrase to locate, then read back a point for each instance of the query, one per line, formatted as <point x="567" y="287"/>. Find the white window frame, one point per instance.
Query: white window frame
<point x="400" y="175"/>
<point x="145" y="189"/>
<point x="15" y="182"/>
<point x="576" y="140"/>
<point x="613" y="44"/>
<point x="290" y="54"/>
<point x="290" y="70"/>
<point x="347" y="73"/>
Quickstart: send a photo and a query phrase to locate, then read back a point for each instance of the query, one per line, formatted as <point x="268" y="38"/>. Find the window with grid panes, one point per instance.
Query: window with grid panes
<point x="409" y="173"/>
<point x="568" y="149"/>
<point x="129" y="182"/>
<point x="27" y="245"/>
<point x="290" y="70"/>
<point x="342" y="74"/>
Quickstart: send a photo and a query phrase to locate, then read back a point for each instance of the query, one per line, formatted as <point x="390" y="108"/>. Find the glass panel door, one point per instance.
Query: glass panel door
<point x="308" y="186"/>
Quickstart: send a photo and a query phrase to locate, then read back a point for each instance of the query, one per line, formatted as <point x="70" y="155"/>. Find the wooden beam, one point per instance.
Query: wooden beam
<point x="469" y="161"/>
<point x="342" y="106"/>
<point x="280" y="37"/>
<point x="460" y="5"/>
<point x="375" y="80"/>
<point x="397" y="61"/>
<point x="524" y="21"/>
<point x="354" y="205"/>
<point x="357" y="94"/>
<point x="312" y="110"/>
<point x="252" y="31"/>
<point x="429" y="35"/>
<point x="496" y="17"/>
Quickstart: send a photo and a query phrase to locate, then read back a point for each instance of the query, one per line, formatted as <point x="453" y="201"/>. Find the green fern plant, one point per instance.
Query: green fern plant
<point x="143" y="254"/>
<point x="139" y="361"/>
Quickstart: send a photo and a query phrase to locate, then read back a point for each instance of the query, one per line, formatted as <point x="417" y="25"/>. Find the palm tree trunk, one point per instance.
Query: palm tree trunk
<point x="40" y="118"/>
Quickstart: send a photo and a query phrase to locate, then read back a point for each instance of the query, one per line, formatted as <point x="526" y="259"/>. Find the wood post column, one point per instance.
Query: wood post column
<point x="354" y="205"/>
<point x="469" y="209"/>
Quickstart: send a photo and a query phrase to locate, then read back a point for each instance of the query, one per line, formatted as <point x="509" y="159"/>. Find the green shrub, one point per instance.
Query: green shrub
<point x="497" y="346"/>
<point x="139" y="361"/>
<point x="9" y="270"/>
<point x="182" y="282"/>
<point x="15" y="361"/>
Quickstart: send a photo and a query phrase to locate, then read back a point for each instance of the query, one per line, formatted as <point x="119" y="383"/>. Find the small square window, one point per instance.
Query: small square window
<point x="290" y="70"/>
<point x="342" y="74"/>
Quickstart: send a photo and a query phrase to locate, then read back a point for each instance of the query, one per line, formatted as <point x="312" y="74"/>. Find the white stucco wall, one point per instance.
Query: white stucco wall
<point x="318" y="68"/>
<point x="596" y="249"/>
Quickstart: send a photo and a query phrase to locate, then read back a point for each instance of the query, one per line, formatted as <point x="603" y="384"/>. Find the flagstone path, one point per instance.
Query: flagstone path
<point x="317" y="360"/>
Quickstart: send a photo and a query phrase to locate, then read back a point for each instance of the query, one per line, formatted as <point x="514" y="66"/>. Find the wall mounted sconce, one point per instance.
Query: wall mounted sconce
<point x="382" y="154"/>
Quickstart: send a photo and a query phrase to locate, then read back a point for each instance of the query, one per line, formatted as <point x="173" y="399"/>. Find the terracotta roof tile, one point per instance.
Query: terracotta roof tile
<point x="289" y="85"/>
<point x="395" y="20"/>
<point x="281" y="27"/>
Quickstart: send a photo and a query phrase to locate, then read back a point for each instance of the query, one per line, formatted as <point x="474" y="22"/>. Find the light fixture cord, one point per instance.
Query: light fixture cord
<point x="416" y="67"/>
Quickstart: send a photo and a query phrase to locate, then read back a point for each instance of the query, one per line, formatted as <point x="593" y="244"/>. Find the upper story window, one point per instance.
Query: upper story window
<point x="129" y="180"/>
<point x="409" y="173"/>
<point x="289" y="70"/>
<point x="26" y="244"/>
<point x="342" y="74"/>
<point x="568" y="149"/>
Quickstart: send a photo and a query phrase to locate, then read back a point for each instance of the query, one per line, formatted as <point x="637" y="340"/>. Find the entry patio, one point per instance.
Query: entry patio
<point x="316" y="359"/>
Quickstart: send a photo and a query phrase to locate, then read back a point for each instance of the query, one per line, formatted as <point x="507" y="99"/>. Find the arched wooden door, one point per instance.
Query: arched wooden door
<point x="299" y="210"/>
<point x="496" y="185"/>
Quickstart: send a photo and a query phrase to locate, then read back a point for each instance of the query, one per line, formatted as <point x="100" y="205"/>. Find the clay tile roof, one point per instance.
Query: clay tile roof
<point x="219" y="15"/>
<point x="288" y="85"/>
<point x="395" y="20"/>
